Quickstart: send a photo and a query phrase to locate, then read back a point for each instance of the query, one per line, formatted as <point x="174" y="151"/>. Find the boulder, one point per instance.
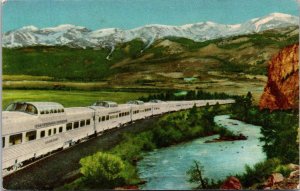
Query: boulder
<point x="293" y="167"/>
<point x="231" y="183"/>
<point x="294" y="174"/>
<point x="273" y="179"/>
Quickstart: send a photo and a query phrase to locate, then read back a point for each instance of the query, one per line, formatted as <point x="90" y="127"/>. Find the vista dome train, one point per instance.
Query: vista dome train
<point x="32" y="130"/>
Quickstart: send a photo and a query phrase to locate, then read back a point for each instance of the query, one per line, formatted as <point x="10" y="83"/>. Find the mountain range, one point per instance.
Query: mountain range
<point x="81" y="37"/>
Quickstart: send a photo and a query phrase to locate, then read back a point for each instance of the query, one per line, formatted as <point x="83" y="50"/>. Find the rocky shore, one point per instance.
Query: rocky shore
<point x="275" y="181"/>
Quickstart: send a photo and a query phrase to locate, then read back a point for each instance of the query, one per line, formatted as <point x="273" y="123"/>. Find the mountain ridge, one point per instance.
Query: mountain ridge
<point x="82" y="37"/>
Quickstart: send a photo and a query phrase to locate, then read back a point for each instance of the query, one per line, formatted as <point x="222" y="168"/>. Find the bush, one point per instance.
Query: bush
<point x="102" y="170"/>
<point x="284" y="170"/>
<point x="225" y="132"/>
<point x="132" y="146"/>
<point x="259" y="172"/>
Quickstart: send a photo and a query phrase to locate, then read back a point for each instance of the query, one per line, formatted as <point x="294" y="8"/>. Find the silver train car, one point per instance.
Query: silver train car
<point x="32" y="130"/>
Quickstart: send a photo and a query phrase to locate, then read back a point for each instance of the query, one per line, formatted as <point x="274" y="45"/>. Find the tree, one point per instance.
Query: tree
<point x="242" y="106"/>
<point x="247" y="104"/>
<point x="216" y="108"/>
<point x="102" y="170"/>
<point x="193" y="116"/>
<point x="195" y="173"/>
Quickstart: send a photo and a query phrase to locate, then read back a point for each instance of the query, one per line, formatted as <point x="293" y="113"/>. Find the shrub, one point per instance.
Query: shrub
<point x="225" y="132"/>
<point x="284" y="170"/>
<point x="102" y="170"/>
<point x="259" y="172"/>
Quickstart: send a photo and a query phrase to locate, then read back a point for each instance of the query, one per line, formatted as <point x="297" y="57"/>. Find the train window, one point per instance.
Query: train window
<point x="15" y="139"/>
<point x="88" y="122"/>
<point x="60" y="129"/>
<point x="120" y="114"/>
<point x="23" y="107"/>
<point x="31" y="109"/>
<point x="55" y="111"/>
<point x="31" y="135"/>
<point x="42" y="134"/>
<point x="103" y="118"/>
<point x="20" y="107"/>
<point x="69" y="126"/>
<point x="82" y="123"/>
<point x="46" y="112"/>
<point x="3" y="142"/>
<point x="76" y="125"/>
<point x="49" y="132"/>
<point x="99" y="119"/>
<point x="54" y="131"/>
<point x="114" y="116"/>
<point x="107" y="117"/>
<point x="62" y="110"/>
<point x="42" y="112"/>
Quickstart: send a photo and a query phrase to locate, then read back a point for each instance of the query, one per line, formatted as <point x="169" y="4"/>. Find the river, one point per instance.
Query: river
<point x="166" y="168"/>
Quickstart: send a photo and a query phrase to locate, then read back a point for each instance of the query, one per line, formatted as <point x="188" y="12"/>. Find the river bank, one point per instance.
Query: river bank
<point x="166" y="168"/>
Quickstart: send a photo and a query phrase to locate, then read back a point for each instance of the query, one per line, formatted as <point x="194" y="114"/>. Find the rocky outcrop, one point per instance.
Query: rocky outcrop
<point x="231" y="183"/>
<point x="277" y="181"/>
<point x="282" y="89"/>
<point x="273" y="179"/>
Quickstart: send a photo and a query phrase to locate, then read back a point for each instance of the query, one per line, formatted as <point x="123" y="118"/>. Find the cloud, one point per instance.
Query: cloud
<point x="3" y="1"/>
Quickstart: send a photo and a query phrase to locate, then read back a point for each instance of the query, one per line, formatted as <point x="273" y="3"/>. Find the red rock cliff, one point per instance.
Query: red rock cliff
<point x="282" y="89"/>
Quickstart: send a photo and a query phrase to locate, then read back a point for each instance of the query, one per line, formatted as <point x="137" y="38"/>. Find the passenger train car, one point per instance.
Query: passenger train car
<point x="32" y="130"/>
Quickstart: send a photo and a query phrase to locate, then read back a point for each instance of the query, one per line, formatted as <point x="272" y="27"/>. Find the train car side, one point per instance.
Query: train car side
<point x="35" y="129"/>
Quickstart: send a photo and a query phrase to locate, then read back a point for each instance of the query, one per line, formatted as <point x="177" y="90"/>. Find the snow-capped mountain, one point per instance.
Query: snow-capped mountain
<point x="77" y="36"/>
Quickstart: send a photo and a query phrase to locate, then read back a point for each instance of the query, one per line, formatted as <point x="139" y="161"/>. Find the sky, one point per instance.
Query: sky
<point x="127" y="14"/>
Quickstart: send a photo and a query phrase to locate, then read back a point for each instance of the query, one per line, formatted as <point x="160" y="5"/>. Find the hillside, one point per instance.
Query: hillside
<point x="235" y="63"/>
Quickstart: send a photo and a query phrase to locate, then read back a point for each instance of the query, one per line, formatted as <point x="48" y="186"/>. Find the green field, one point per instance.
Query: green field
<point x="67" y="98"/>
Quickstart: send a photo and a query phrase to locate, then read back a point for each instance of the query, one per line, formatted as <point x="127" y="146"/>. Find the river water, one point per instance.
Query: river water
<point x="166" y="168"/>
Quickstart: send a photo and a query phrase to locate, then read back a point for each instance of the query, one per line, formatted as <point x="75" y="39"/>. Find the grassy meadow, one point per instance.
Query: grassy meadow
<point x="67" y="98"/>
